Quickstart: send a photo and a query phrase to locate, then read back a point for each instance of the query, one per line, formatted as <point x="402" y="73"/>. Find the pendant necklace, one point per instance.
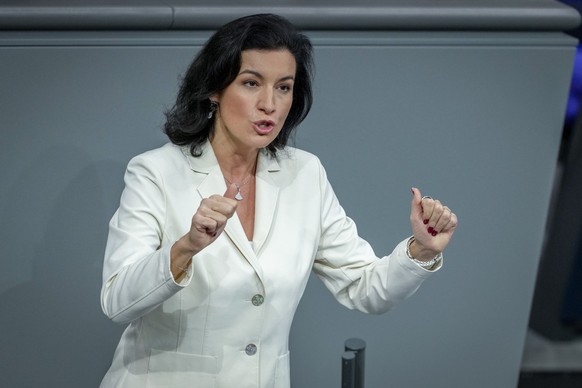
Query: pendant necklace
<point x="238" y="195"/>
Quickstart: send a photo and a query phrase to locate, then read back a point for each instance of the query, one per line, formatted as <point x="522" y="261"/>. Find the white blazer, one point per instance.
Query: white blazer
<point x="227" y="324"/>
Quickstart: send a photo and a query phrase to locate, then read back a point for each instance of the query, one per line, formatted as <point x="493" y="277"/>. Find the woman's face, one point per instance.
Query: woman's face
<point x="253" y="108"/>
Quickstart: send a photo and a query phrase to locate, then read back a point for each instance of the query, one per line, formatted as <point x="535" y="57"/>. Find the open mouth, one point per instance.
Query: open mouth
<point x="264" y="126"/>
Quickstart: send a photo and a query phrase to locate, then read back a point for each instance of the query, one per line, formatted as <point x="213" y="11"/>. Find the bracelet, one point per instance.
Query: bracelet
<point x="182" y="269"/>
<point x="423" y="264"/>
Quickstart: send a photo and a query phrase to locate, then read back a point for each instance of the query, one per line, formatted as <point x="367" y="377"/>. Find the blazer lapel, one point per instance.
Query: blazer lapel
<point x="267" y="196"/>
<point x="213" y="184"/>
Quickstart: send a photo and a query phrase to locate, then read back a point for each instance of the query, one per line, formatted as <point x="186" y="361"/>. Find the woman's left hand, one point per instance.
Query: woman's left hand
<point x="433" y="225"/>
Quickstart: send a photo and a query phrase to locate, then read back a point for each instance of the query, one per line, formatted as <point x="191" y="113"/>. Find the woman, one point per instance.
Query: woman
<point x="217" y="231"/>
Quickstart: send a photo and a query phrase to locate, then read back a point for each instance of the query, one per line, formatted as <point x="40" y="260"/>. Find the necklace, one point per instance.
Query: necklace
<point x="238" y="195"/>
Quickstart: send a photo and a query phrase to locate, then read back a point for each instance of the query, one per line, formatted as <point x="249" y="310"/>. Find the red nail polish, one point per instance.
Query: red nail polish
<point x="434" y="233"/>
<point x="430" y="230"/>
<point x="425" y="222"/>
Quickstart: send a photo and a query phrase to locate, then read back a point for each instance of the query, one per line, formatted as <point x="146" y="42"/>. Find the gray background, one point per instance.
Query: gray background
<point x="471" y="117"/>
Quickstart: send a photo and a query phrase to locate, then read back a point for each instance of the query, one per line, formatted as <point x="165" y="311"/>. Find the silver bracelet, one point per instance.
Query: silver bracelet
<point x="423" y="264"/>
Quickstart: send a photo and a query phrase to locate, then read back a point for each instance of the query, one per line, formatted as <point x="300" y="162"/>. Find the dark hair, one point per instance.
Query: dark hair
<point x="217" y="65"/>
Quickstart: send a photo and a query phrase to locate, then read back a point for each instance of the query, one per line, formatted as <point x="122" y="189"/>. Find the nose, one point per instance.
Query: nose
<point x="267" y="101"/>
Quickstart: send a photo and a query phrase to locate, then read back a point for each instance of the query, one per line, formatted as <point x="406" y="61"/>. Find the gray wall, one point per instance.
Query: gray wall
<point x="470" y="117"/>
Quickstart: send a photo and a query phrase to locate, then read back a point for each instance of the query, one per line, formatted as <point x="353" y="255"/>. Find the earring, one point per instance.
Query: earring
<point x="213" y="107"/>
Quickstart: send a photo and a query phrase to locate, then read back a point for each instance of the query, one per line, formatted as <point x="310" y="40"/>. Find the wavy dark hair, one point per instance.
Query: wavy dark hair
<point x="217" y="65"/>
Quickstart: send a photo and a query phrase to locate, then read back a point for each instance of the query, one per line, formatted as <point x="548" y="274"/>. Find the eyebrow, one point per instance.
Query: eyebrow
<point x="259" y="75"/>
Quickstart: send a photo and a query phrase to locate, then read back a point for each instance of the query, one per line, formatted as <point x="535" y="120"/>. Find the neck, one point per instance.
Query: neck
<point x="235" y="165"/>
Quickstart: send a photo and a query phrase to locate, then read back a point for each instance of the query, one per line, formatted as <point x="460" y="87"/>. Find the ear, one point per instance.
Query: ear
<point x="215" y="97"/>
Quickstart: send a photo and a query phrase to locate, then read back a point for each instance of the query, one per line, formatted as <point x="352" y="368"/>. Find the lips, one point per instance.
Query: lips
<point x="263" y="127"/>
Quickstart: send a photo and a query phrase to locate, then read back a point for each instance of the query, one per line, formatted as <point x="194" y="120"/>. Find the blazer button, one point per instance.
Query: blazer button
<point x="251" y="349"/>
<point x="258" y="300"/>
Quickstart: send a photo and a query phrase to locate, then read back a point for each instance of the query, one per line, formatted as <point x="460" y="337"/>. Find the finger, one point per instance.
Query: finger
<point x="415" y="206"/>
<point x="204" y="224"/>
<point x="220" y="215"/>
<point x="218" y="204"/>
<point x="449" y="228"/>
<point x="452" y="223"/>
<point x="428" y="208"/>
<point x="416" y="197"/>
<point x="437" y="212"/>
<point x="443" y="220"/>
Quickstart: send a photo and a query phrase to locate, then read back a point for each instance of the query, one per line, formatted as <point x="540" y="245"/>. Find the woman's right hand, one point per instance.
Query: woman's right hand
<point x="210" y="219"/>
<point x="207" y="224"/>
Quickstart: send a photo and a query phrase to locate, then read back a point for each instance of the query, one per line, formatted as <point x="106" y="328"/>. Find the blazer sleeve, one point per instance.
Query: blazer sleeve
<point x="350" y="269"/>
<point x="136" y="269"/>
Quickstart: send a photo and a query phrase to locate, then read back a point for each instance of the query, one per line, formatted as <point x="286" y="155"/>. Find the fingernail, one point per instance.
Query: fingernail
<point x="425" y="222"/>
<point x="434" y="233"/>
<point x="430" y="230"/>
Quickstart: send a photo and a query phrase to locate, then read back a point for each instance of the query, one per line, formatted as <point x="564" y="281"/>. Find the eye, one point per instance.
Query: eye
<point x="251" y="83"/>
<point x="285" y="88"/>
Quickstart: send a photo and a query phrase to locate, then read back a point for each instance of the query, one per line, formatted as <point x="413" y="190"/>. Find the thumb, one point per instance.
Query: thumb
<point x="416" y="198"/>
<point x="416" y="207"/>
<point x="231" y="191"/>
